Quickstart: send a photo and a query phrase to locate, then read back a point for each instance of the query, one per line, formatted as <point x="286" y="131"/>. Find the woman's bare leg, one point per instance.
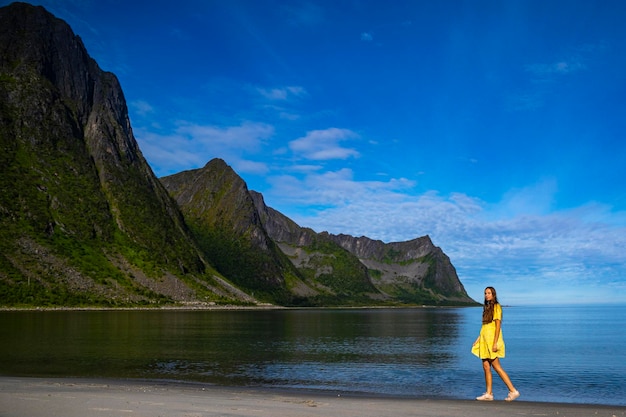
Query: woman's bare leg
<point x="505" y="377"/>
<point x="488" y="377"/>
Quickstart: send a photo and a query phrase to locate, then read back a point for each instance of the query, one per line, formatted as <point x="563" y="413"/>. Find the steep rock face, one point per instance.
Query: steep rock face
<point x="79" y="205"/>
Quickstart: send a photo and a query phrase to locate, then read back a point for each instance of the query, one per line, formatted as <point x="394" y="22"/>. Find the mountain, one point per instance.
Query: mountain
<point x="220" y="212"/>
<point x="266" y="253"/>
<point x="83" y="220"/>
<point x="414" y="272"/>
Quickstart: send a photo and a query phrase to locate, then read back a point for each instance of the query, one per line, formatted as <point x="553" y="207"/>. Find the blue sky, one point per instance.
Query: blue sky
<point x="495" y="127"/>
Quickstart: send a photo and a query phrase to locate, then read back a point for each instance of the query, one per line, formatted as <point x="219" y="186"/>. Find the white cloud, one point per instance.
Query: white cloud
<point x="193" y="145"/>
<point x="248" y="136"/>
<point x="249" y="167"/>
<point x="288" y="116"/>
<point x="283" y="93"/>
<point x="324" y="144"/>
<point x="333" y="189"/>
<point x="305" y="168"/>
<point x="367" y="37"/>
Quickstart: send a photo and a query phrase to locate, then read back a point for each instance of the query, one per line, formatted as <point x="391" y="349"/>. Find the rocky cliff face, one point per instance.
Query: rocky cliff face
<point x="83" y="219"/>
<point x="400" y="267"/>
<point x="280" y="227"/>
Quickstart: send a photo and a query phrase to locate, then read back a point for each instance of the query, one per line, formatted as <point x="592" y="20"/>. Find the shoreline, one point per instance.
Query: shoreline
<point x="205" y="307"/>
<point x="29" y="396"/>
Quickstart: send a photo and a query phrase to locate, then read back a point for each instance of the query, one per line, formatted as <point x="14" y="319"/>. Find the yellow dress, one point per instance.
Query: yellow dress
<point x="482" y="349"/>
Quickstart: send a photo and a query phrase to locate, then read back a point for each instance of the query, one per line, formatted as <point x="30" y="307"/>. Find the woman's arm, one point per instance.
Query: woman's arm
<point x="496" y="335"/>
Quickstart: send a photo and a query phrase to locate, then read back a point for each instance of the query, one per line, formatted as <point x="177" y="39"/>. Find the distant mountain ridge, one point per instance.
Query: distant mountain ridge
<point x="414" y="271"/>
<point x="84" y="221"/>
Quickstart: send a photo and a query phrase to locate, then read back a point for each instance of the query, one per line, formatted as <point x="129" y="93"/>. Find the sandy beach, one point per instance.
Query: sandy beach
<point x="69" y="397"/>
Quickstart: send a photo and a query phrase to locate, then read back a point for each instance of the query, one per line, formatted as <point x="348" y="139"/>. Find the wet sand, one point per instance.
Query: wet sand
<point x="68" y="397"/>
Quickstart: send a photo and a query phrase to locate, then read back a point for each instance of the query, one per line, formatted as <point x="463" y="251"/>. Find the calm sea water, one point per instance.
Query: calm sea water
<point x="557" y="354"/>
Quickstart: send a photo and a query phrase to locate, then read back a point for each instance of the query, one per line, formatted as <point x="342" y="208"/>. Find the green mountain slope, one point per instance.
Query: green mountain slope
<point x="83" y="220"/>
<point x="224" y="221"/>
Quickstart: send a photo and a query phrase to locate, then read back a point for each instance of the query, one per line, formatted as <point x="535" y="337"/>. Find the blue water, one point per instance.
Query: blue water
<point x="556" y="354"/>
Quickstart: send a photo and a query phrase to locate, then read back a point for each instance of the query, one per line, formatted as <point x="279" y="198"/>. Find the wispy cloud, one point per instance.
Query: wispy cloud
<point x="324" y="144"/>
<point x="141" y="107"/>
<point x="541" y="80"/>
<point x="575" y="60"/>
<point x="560" y="67"/>
<point x="367" y="37"/>
<point x="304" y="168"/>
<point x="193" y="145"/>
<point x="246" y="137"/>
<point x="332" y="189"/>
<point x="283" y="93"/>
<point x="282" y="102"/>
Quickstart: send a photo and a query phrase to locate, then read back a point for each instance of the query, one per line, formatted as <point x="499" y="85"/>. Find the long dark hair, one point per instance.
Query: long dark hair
<point x="489" y="306"/>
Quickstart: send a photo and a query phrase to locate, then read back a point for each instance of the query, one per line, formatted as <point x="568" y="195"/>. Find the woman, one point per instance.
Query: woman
<point x="489" y="346"/>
